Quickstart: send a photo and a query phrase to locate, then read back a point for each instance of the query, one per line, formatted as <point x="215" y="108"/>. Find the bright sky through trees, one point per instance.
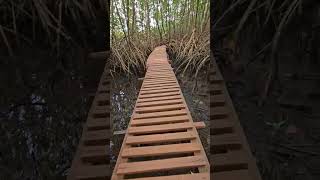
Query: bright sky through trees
<point x="158" y="17"/>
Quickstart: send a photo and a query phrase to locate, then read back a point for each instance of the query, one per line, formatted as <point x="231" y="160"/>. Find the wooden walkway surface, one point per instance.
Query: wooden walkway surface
<point x="92" y="161"/>
<point x="162" y="141"/>
<point x="161" y="138"/>
<point x="230" y="155"/>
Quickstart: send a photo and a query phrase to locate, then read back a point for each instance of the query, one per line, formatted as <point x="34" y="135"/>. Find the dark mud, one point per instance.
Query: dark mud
<point x="124" y="92"/>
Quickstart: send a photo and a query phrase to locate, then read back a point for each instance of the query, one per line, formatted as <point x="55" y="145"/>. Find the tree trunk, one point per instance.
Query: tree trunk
<point x="133" y="28"/>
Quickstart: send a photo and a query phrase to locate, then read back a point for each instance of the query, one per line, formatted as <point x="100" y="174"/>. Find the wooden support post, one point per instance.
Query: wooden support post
<point x="199" y="125"/>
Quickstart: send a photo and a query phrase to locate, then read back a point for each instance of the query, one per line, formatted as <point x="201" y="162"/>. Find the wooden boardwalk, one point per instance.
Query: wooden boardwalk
<point x="161" y="140"/>
<point x="91" y="160"/>
<point x="230" y="155"/>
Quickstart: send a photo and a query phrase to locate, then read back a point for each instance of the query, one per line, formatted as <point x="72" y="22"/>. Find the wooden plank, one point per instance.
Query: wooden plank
<point x="194" y="176"/>
<point x="99" y="113"/>
<point x="158" y="83"/>
<point x="158" y="95"/>
<point x="104" y="103"/>
<point x="160" y="69"/>
<point x="161" y="61"/>
<point x="160" y="120"/>
<point x="89" y="172"/>
<point x="159" y="64"/>
<point x="218" y="100"/>
<point x="219" y="112"/>
<point x="160" y="91"/>
<point x="162" y="83"/>
<point x="159" y="108"/>
<point x="104" y="108"/>
<point x="173" y="97"/>
<point x="160" y="128"/>
<point x="221" y="126"/>
<point x="151" y="79"/>
<point x="100" y="137"/>
<point x="160" y="150"/>
<point x="161" y="165"/>
<point x="216" y="91"/>
<point x="160" y="75"/>
<point x="225" y="142"/>
<point x="95" y="154"/>
<point x="155" y="69"/>
<point x="199" y="125"/>
<point x="159" y="138"/>
<point x="159" y="80"/>
<point x="232" y="160"/>
<point x="160" y="114"/>
<point x="100" y="97"/>
<point x="154" y="74"/>
<point x="216" y="78"/>
<point x="159" y="103"/>
<point x="160" y="87"/>
<point x="98" y="123"/>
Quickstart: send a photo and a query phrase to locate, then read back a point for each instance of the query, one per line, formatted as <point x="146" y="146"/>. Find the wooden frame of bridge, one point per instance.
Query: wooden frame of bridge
<point x="230" y="155"/>
<point x="161" y="126"/>
<point x="162" y="138"/>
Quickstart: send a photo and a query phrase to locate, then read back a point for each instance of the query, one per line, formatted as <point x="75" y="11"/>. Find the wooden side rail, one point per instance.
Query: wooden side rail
<point x="230" y="157"/>
<point x="91" y="160"/>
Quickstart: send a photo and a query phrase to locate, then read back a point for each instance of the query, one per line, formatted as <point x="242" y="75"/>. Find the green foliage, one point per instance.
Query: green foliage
<point x="50" y="23"/>
<point x="147" y="24"/>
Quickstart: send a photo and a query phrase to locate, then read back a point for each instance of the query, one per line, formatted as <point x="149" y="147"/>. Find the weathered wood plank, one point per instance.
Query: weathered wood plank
<point x="159" y="138"/>
<point x="160" y="150"/>
<point x="161" y="165"/>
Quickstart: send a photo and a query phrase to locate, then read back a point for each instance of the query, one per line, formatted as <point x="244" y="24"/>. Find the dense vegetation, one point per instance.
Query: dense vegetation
<point x="43" y="97"/>
<point x="139" y="26"/>
<point x="268" y="51"/>
<point x="264" y="24"/>
<point x="56" y="24"/>
<point x="43" y="43"/>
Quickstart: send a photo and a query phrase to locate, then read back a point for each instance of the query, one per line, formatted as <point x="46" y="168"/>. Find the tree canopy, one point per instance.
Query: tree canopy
<point x="137" y="26"/>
